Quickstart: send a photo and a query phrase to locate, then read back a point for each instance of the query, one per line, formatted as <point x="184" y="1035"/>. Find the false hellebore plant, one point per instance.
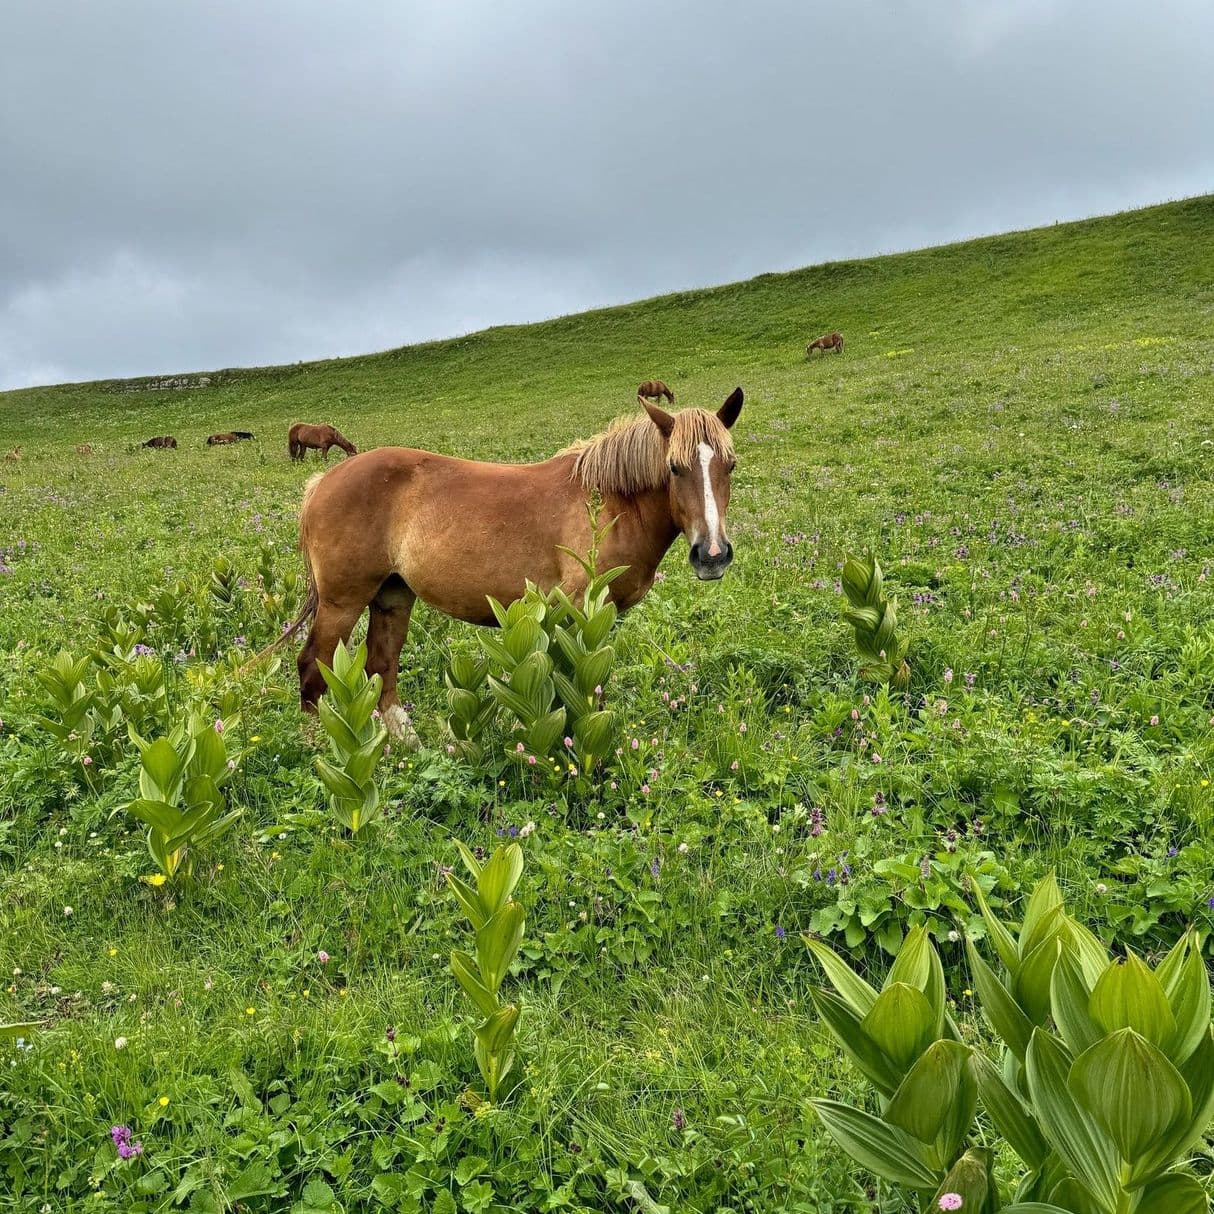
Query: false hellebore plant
<point x="498" y="923"/>
<point x="874" y="619"/>
<point x="1106" y="1082"/>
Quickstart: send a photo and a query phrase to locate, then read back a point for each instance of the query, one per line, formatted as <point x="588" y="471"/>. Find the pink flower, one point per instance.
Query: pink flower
<point x="218" y="725"/>
<point x="948" y="675"/>
<point x="568" y="743"/>
<point x="645" y="788"/>
<point x="322" y="957"/>
<point x="520" y="748"/>
<point x="531" y="760"/>
<point x="1155" y="720"/>
<point x="636" y="742"/>
<point x="951" y="1201"/>
<point x="742" y="727"/>
<point x="87" y="760"/>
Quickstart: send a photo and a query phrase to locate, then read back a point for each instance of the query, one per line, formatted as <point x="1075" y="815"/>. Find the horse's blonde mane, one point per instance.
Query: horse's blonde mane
<point x="632" y="455"/>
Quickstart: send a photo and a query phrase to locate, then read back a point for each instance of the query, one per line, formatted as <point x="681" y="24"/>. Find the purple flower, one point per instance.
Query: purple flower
<point x="780" y="933"/>
<point x="817" y="822"/>
<point x="656" y="868"/>
<point x="120" y="1135"/>
<point x="678" y="1119"/>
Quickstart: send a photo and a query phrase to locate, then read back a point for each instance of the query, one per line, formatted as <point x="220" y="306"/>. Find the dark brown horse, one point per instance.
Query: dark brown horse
<point x="229" y="437"/>
<point x="303" y="437"/>
<point x="394" y="525"/>
<point x="163" y="440"/>
<point x="830" y="341"/>
<point x="654" y="389"/>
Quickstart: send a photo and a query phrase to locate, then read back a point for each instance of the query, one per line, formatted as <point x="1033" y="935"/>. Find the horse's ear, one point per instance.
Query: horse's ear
<point x="728" y="412"/>
<point x="660" y="418"/>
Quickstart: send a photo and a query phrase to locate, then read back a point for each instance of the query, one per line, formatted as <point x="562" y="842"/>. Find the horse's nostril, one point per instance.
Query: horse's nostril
<point x="728" y="555"/>
<point x="696" y="554"/>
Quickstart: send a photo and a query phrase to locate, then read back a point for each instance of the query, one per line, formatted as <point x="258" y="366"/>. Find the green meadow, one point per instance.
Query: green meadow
<point x="1021" y="430"/>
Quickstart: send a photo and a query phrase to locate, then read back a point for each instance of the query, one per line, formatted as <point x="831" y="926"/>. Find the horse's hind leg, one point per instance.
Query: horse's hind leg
<point x="390" y="610"/>
<point x="333" y="623"/>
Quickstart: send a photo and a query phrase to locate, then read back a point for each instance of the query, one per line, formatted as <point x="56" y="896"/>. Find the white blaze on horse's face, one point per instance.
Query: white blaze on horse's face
<point x="712" y="519"/>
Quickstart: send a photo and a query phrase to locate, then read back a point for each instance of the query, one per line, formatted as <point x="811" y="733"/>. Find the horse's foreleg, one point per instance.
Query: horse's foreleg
<point x="390" y="610"/>
<point x="333" y="623"/>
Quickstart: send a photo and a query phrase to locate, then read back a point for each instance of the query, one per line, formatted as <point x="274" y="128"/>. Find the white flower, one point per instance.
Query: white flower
<point x="528" y="828"/>
<point x="954" y="936"/>
<point x="120" y="1043"/>
<point x="683" y="849"/>
<point x="67" y="910"/>
<point x="1101" y="888"/>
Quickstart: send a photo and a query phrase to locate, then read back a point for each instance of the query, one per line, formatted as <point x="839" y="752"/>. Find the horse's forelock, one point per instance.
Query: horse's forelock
<point x="631" y="456"/>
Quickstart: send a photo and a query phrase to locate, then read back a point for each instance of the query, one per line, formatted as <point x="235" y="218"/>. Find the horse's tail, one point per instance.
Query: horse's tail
<point x="311" y="599"/>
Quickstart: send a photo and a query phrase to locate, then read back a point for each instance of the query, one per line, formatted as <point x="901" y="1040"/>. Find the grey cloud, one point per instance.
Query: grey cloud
<point x="202" y="184"/>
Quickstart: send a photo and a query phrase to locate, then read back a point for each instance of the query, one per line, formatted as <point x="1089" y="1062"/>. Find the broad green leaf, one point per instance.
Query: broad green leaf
<point x="1198" y="1074"/>
<point x="465" y="970"/>
<point x="158" y="815"/>
<point x="857" y="1044"/>
<point x="497" y="942"/>
<point x="1130" y="996"/>
<point x="901" y="1023"/>
<point x="468" y="899"/>
<point x="1032" y="1207"/>
<point x="1072" y="1194"/>
<point x="853" y="990"/>
<point x="471" y="863"/>
<point x="162" y="765"/>
<point x="999" y="936"/>
<point x="1007" y="1111"/>
<point x="544" y="732"/>
<point x="1000" y="1008"/>
<point x="499" y="877"/>
<point x="1041" y="914"/>
<point x="1069" y="998"/>
<point x="1092" y="956"/>
<point x="1131" y="1090"/>
<point x="1176" y="1193"/>
<point x="1080" y="1142"/>
<point x="969" y="1178"/>
<point x="1190" y="1003"/>
<point x="496" y="1032"/>
<point x="929" y="1091"/>
<point x="336" y="780"/>
<point x="883" y="1149"/>
<point x="1031" y="987"/>
<point x="19" y="1029"/>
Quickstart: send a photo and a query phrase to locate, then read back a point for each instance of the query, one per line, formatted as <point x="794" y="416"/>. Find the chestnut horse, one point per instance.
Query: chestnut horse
<point x="229" y="437"/>
<point x="163" y="441"/>
<point x="303" y="436"/>
<point x="394" y="525"/>
<point x="654" y="389"/>
<point x="831" y="341"/>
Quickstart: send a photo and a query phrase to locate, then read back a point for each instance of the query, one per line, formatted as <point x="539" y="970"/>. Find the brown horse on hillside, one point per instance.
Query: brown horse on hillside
<point x="162" y="441"/>
<point x="831" y="341"/>
<point x="394" y="525"/>
<point x="229" y="437"/>
<point x="654" y="389"/>
<point x="303" y="437"/>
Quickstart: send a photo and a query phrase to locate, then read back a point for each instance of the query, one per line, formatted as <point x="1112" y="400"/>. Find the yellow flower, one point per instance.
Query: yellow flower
<point x="113" y="952"/>
<point x="1205" y="783"/>
<point x="250" y="1011"/>
<point x="342" y="993"/>
<point x="968" y="993"/>
<point x="307" y="993"/>
<point x="157" y="879"/>
<point x="255" y="738"/>
<point x="163" y="1102"/>
<point x="219" y="868"/>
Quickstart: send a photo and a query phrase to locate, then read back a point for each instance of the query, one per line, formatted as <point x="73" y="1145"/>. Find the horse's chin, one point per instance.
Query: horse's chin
<point x="709" y="575"/>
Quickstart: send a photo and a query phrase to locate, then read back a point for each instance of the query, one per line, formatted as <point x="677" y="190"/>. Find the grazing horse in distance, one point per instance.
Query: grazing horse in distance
<point x="84" y="448"/>
<point x="13" y="456"/>
<point x="303" y="437"/>
<point x="395" y="525"/>
<point x="654" y="389"/>
<point x="229" y="437"/>
<point x="243" y="435"/>
<point x="830" y="341"/>
<point x="162" y="441"/>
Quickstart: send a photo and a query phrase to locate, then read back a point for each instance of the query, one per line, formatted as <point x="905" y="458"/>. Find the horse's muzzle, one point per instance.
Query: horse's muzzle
<point x="710" y="568"/>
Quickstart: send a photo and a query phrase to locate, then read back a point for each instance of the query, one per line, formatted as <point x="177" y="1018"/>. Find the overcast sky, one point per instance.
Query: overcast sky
<point x="191" y="184"/>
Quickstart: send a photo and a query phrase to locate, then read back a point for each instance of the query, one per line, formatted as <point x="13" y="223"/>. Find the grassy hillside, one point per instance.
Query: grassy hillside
<point x="1020" y="428"/>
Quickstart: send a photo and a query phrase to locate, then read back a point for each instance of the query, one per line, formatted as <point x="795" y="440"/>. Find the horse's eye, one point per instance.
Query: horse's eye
<point x="676" y="470"/>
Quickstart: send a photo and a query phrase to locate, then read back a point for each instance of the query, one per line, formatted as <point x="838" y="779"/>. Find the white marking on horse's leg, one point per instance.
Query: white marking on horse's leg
<point x="398" y="725"/>
<point x="712" y="519"/>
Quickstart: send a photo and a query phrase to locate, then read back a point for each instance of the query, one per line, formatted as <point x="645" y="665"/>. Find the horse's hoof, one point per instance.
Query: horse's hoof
<point x="400" y="728"/>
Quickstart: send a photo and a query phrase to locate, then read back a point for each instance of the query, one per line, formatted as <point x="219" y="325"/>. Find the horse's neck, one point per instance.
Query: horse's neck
<point x="642" y="534"/>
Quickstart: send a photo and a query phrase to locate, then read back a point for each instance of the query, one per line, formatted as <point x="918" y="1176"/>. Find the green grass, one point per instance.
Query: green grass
<point x="1020" y="428"/>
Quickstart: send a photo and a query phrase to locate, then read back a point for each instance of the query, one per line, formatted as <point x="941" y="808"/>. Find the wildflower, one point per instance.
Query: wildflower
<point x="1155" y="720"/>
<point x="656" y="868"/>
<point x="951" y="1201"/>
<point x="120" y="1043"/>
<point x="156" y="879"/>
<point x="780" y="933"/>
<point x="679" y="1120"/>
<point x="113" y="952"/>
<point x="67" y="910"/>
<point x="322" y="957"/>
<point x="528" y="828"/>
<point x="530" y="758"/>
<point x="87" y="760"/>
<point x="218" y="725"/>
<point x="390" y="1033"/>
<point x="645" y="789"/>
<point x="948" y="675"/>
<point x="250" y="1011"/>
<point x="520" y="748"/>
<point x="1101" y="888"/>
<point x="636" y="742"/>
<point x="742" y="727"/>
<point x="163" y="1102"/>
<point x="683" y="849"/>
<point x="568" y="743"/>
<point x="120" y="1135"/>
